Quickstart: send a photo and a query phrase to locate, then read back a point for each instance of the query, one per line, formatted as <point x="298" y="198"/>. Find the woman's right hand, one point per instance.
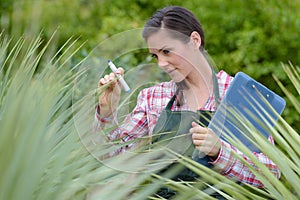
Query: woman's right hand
<point x="109" y="91"/>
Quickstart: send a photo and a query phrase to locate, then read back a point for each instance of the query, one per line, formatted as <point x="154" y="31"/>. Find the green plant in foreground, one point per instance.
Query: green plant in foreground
<point x="44" y="156"/>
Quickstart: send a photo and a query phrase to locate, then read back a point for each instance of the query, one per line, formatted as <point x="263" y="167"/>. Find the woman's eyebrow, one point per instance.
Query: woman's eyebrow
<point x="162" y="48"/>
<point x="159" y="50"/>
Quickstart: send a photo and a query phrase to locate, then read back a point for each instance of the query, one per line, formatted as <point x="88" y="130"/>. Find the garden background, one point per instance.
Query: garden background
<point x="45" y="43"/>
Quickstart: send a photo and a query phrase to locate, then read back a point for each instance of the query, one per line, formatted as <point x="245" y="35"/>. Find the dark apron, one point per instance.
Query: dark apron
<point x="176" y="125"/>
<point x="172" y="129"/>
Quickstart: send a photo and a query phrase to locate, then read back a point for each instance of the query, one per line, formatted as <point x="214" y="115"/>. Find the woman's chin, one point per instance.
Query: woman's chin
<point x="177" y="78"/>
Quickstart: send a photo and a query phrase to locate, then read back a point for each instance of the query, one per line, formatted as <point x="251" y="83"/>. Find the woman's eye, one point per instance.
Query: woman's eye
<point x="166" y="51"/>
<point x="154" y="56"/>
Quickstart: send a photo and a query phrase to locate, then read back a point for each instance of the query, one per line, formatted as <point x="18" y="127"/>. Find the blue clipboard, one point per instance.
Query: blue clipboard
<point x="253" y="103"/>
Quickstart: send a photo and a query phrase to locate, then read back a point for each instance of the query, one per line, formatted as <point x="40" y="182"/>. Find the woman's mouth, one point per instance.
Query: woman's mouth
<point x="170" y="71"/>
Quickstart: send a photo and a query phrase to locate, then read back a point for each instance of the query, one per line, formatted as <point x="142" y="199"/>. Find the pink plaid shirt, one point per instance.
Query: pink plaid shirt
<point x="150" y="103"/>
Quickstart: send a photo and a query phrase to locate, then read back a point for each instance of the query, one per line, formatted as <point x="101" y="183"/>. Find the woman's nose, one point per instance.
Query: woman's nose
<point x="162" y="62"/>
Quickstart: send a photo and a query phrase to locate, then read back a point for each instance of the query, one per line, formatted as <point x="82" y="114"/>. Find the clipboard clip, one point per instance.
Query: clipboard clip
<point x="260" y="89"/>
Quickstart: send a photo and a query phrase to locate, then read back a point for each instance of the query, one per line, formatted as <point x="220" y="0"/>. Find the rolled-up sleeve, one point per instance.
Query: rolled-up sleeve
<point x="134" y="125"/>
<point x="228" y="165"/>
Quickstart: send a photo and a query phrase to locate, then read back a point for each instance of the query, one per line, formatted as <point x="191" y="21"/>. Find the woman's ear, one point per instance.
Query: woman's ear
<point x="195" y="38"/>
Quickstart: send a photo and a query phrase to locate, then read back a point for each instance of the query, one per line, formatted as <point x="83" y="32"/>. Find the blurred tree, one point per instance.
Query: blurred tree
<point x="251" y="36"/>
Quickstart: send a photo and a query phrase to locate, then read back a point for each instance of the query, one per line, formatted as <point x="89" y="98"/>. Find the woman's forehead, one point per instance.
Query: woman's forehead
<point x="161" y="39"/>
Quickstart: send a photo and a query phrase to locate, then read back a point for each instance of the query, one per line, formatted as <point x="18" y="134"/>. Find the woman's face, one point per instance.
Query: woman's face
<point x="172" y="55"/>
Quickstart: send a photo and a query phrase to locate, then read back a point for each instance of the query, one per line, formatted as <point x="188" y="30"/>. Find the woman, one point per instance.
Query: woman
<point x="176" y="40"/>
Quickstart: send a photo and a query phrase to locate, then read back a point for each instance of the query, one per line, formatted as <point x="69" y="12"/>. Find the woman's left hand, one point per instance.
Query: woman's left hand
<point x="205" y="140"/>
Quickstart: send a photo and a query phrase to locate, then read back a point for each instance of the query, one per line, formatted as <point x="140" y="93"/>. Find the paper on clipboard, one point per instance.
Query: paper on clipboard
<point x="254" y="103"/>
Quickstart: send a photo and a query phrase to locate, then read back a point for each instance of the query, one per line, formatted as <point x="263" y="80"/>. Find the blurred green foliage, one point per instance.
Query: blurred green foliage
<point x="253" y="36"/>
<point x="45" y="126"/>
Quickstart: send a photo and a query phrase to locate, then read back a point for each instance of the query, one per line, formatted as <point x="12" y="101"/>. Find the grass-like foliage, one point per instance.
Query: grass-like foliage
<point x="44" y="156"/>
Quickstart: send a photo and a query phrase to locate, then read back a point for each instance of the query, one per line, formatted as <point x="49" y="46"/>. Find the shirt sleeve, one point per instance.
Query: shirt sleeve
<point x="100" y="122"/>
<point x="228" y="165"/>
<point x="134" y="126"/>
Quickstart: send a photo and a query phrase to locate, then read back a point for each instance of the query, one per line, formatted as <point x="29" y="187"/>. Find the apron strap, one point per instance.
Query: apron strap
<point x="170" y="103"/>
<point x="214" y="70"/>
<point x="216" y="87"/>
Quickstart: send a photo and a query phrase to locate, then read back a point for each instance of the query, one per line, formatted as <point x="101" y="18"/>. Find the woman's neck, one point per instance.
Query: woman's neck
<point x="199" y="86"/>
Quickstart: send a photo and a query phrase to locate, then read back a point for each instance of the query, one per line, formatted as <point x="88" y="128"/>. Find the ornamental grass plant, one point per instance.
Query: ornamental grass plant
<point x="43" y="154"/>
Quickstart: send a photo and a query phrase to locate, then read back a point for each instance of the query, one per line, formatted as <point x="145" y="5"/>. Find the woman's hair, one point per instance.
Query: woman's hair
<point x="178" y="20"/>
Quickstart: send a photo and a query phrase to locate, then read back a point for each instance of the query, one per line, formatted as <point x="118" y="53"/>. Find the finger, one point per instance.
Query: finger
<point x="194" y="127"/>
<point x="101" y="82"/>
<point x="120" y="71"/>
<point x="197" y="136"/>
<point x="112" y="78"/>
<point x="194" y="124"/>
<point x="198" y="143"/>
<point x="198" y="129"/>
<point x="106" y="79"/>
